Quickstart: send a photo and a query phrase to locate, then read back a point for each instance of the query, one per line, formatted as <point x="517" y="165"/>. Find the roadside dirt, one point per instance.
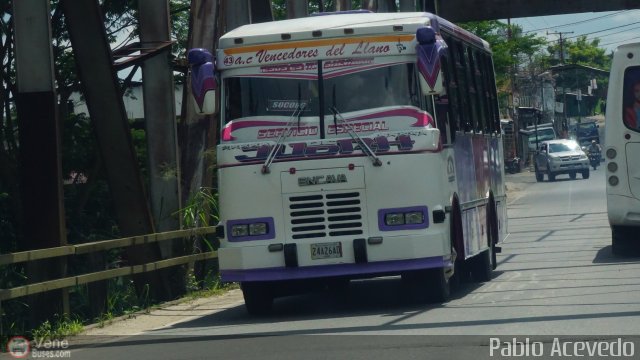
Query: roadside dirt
<point x="166" y="315"/>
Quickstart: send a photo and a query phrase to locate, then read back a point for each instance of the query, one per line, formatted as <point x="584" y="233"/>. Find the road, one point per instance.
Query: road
<point x="556" y="277"/>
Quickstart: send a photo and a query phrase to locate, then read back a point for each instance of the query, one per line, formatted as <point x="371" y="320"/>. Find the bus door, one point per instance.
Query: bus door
<point x="631" y="119"/>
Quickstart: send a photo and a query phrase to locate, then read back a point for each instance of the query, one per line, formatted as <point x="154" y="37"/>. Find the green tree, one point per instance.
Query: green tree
<point x="511" y="49"/>
<point x="581" y="52"/>
<point x="88" y="200"/>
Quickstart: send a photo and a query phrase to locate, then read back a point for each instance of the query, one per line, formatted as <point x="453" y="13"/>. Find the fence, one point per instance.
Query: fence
<point x="80" y="249"/>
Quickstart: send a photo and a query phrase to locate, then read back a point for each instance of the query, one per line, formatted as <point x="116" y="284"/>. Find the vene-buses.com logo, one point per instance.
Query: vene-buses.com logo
<point x="18" y="347"/>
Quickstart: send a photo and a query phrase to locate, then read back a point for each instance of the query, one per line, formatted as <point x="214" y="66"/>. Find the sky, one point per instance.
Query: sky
<point x="614" y="28"/>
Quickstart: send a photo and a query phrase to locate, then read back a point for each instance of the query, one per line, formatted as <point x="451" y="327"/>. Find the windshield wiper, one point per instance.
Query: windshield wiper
<point x="365" y="148"/>
<point x="295" y="117"/>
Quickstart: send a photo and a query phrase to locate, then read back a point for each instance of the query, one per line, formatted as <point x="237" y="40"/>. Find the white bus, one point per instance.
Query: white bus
<point x="357" y="145"/>
<point x="622" y="146"/>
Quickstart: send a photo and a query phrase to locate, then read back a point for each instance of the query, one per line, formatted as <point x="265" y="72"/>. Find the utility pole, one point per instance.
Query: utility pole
<point x="511" y="107"/>
<point x="561" y="42"/>
<point x="565" y="125"/>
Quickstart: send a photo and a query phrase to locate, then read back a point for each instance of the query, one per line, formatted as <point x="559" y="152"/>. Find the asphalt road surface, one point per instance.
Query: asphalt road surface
<point x="556" y="279"/>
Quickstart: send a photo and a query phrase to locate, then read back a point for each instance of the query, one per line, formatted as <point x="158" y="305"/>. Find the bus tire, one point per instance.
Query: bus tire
<point x="258" y="298"/>
<point x="621" y="243"/>
<point x="438" y="286"/>
<point x="460" y="270"/>
<point x="492" y="231"/>
<point x="482" y="266"/>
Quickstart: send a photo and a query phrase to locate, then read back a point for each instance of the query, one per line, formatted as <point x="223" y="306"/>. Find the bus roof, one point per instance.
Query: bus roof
<point x="336" y="25"/>
<point x="631" y="45"/>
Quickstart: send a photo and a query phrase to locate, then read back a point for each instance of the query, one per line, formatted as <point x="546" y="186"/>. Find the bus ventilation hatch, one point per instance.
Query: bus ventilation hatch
<point x="325" y="215"/>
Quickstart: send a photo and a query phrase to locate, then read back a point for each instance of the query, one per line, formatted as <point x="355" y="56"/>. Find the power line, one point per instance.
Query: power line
<point x="600" y="37"/>
<point x="595" y="32"/>
<point x="616" y="32"/>
<point x="620" y="41"/>
<point x="577" y="22"/>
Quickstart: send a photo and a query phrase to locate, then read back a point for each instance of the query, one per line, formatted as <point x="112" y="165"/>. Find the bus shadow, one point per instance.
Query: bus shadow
<point x="389" y="296"/>
<point x="606" y="256"/>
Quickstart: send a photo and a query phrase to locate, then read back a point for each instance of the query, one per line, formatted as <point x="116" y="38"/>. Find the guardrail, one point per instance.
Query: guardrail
<point x="80" y="249"/>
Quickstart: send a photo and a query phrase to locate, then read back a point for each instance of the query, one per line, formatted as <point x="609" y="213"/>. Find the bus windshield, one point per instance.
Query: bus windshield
<point x="393" y="85"/>
<point x="387" y="86"/>
<point x="259" y="96"/>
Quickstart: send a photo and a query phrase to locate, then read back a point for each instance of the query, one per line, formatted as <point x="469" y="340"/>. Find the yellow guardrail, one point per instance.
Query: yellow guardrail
<point x="26" y="256"/>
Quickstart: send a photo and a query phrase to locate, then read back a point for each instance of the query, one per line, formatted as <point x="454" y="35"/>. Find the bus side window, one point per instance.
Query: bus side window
<point x="463" y="85"/>
<point x="480" y="75"/>
<point x="470" y="71"/>
<point x="450" y="103"/>
<point x="441" y="113"/>
<point x="491" y="94"/>
<point x="631" y="98"/>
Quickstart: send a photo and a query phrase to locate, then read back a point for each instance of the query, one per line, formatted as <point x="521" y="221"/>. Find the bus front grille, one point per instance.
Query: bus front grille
<point x="325" y="215"/>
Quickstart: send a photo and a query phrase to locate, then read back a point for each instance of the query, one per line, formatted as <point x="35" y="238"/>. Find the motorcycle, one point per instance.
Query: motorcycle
<point x="512" y="165"/>
<point x="594" y="159"/>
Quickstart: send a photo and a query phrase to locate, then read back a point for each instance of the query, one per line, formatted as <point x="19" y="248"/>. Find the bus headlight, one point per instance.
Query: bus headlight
<point x="393" y="219"/>
<point x="613" y="167"/>
<point x="258" y="229"/>
<point x="251" y="229"/>
<point x="240" y="230"/>
<point x="414" y="217"/>
<point x="612" y="153"/>
<point x="613" y="180"/>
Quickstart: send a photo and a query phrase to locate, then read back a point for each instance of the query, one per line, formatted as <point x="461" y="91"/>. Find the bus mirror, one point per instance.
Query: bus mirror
<point x="429" y="52"/>
<point x="203" y="81"/>
<point x="428" y="89"/>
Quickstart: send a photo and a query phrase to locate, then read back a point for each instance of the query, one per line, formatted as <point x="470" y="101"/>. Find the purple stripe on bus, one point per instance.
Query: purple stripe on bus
<point x="309" y="272"/>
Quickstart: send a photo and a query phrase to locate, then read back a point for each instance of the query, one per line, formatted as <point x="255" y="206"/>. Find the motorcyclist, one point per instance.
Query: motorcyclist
<point x="594" y="148"/>
<point x="593" y="152"/>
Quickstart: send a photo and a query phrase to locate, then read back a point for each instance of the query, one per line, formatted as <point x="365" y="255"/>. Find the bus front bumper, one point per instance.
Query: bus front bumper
<point x="358" y="258"/>
<point x="369" y="269"/>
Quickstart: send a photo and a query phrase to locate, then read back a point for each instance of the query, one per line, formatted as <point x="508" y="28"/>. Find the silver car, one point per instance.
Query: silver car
<point x="555" y="157"/>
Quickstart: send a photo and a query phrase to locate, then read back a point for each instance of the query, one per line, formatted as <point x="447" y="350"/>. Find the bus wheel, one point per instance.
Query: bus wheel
<point x="460" y="270"/>
<point x="493" y="233"/>
<point x="438" y="286"/>
<point x="429" y="285"/>
<point x="485" y="262"/>
<point x="258" y="298"/>
<point x="482" y="266"/>
<point x="621" y="244"/>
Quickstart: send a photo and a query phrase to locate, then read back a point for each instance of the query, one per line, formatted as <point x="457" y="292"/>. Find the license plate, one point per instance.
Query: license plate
<point x="326" y="250"/>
